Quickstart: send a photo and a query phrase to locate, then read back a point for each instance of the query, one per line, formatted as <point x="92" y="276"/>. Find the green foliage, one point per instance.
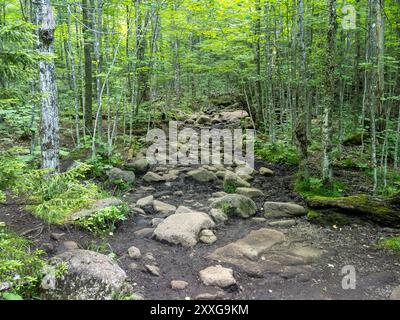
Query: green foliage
<point x="314" y="186"/>
<point x="11" y="168"/>
<point x="2" y="197"/>
<point x="280" y="153"/>
<point x="390" y="243"/>
<point x="229" y="187"/>
<point x="20" y="266"/>
<point x="104" y="221"/>
<point x="57" y="196"/>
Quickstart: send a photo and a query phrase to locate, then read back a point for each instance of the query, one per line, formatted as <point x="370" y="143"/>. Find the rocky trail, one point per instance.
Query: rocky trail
<point x="188" y="239"/>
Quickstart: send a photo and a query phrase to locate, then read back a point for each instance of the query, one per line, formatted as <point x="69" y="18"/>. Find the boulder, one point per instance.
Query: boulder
<point x="283" y="209"/>
<point x="153" y="177"/>
<point x="119" y="175"/>
<point x="217" y="276"/>
<point x="267" y="250"/>
<point x="145" y="202"/>
<point x="252" y="193"/>
<point x="232" y="180"/>
<point x="141" y="165"/>
<point x="202" y="175"/>
<point x="89" y="276"/>
<point x="236" y="204"/>
<point x="183" y="228"/>
<point x="163" y="208"/>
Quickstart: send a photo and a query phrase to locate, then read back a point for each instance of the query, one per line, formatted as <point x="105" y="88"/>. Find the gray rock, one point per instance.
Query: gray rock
<point x="153" y="270"/>
<point x="117" y="174"/>
<point x="144" y="202"/>
<point x="134" y="253"/>
<point x="217" y="276"/>
<point x="207" y="236"/>
<point x="202" y="175"/>
<point x="144" y="233"/>
<point x="252" y="193"/>
<point x="90" y="276"/>
<point x="283" y="223"/>
<point x="153" y="177"/>
<point x="236" y="204"/>
<point x="179" y="285"/>
<point x="232" y="179"/>
<point x="141" y="165"/>
<point x="56" y="236"/>
<point x="70" y="245"/>
<point x="163" y="208"/>
<point x="203" y="119"/>
<point x="183" y="228"/>
<point x="282" y="210"/>
<point x="219" y="216"/>
<point x="267" y="250"/>
<point x="266" y="172"/>
<point x="210" y="296"/>
<point x="219" y="194"/>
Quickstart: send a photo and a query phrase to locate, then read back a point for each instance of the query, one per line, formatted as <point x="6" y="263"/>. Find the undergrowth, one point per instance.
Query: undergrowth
<point x="392" y="243"/>
<point x="314" y="186"/>
<point x="279" y="153"/>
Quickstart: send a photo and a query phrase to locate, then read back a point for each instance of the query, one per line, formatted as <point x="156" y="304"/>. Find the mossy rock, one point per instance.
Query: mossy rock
<point x="362" y="206"/>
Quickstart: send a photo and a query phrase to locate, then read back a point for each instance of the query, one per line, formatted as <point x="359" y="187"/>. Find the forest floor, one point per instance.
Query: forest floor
<point x="377" y="270"/>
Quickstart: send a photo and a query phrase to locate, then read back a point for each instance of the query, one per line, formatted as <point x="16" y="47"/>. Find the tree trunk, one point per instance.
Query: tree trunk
<point x="49" y="111"/>
<point x="88" y="47"/>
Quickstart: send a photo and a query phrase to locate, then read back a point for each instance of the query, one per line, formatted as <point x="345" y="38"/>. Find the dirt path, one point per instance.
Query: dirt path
<point x="377" y="271"/>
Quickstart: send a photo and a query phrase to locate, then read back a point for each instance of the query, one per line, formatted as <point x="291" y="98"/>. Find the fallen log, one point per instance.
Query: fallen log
<point x="383" y="212"/>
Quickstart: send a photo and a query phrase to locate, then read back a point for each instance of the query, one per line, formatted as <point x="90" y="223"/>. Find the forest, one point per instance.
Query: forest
<point x="316" y="215"/>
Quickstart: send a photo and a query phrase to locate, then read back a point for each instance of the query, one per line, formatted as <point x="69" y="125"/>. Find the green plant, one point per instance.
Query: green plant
<point x="229" y="188"/>
<point x="20" y="266"/>
<point x="314" y="186"/>
<point x="103" y="222"/>
<point x="2" y="197"/>
<point x="280" y="153"/>
<point x="392" y="243"/>
<point x="11" y="168"/>
<point x="57" y="196"/>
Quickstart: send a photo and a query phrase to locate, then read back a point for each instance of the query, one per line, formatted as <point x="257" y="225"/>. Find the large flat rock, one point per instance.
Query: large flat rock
<point x="267" y="251"/>
<point x="183" y="228"/>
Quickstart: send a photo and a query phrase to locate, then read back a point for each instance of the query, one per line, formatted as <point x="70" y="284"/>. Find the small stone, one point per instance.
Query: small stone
<point x="179" y="285"/>
<point x="149" y="256"/>
<point x="202" y="175"/>
<point x="144" y="202"/>
<point x="282" y="210"/>
<point x="266" y="172"/>
<point x="283" y="223"/>
<point x="219" y="194"/>
<point x="210" y="296"/>
<point x="56" y="236"/>
<point x="133" y="266"/>
<point x="258" y="220"/>
<point x="207" y="236"/>
<point x="217" y="276"/>
<point x="134" y="253"/>
<point x="49" y="248"/>
<point x="183" y="209"/>
<point x="178" y="193"/>
<point x="137" y="210"/>
<point x="153" y="270"/>
<point x="70" y="245"/>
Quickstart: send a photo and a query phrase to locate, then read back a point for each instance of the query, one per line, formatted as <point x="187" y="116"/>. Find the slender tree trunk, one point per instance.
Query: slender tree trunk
<point x="88" y="48"/>
<point x="49" y="110"/>
<point x="330" y="82"/>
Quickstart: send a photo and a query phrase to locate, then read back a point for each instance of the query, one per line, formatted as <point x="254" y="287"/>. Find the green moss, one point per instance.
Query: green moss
<point x="313" y="215"/>
<point x="390" y="243"/>
<point x="328" y="218"/>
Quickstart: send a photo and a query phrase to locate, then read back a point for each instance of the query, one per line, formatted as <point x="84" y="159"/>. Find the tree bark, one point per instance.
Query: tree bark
<point x="49" y="110"/>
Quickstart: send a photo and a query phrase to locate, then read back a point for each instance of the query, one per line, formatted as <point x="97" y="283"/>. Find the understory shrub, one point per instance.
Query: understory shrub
<point x="20" y="267"/>
<point x="392" y="243"/>
<point x="314" y="186"/>
<point x="280" y="153"/>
